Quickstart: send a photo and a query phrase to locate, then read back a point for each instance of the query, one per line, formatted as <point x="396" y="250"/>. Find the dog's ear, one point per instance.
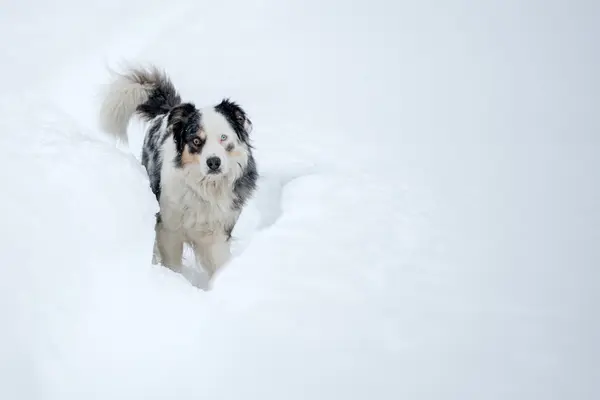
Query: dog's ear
<point x="183" y="119"/>
<point x="182" y="116"/>
<point x="237" y="117"/>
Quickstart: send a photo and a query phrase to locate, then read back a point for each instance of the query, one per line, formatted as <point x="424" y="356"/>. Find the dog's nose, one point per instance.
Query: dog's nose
<point x="213" y="163"/>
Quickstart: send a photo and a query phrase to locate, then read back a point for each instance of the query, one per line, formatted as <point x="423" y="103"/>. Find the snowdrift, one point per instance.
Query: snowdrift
<point x="94" y="318"/>
<point x="426" y="223"/>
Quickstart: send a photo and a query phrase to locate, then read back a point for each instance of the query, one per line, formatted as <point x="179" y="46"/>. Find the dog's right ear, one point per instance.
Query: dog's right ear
<point x="183" y="119"/>
<point x="181" y="116"/>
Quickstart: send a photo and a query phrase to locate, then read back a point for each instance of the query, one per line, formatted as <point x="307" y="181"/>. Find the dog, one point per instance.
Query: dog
<point x="199" y="163"/>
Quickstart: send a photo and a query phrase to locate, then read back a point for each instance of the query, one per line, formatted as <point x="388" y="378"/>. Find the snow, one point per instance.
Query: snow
<point x="426" y="225"/>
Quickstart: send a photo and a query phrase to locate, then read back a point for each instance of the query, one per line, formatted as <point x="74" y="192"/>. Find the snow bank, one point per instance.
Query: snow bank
<point x="93" y="319"/>
<point x="75" y="209"/>
<point x="425" y="224"/>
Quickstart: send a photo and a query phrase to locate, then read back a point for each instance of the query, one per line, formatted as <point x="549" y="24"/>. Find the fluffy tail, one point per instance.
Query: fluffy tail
<point x="148" y="91"/>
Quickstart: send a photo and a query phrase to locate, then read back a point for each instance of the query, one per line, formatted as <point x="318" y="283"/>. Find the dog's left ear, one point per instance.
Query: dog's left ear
<point x="237" y="117"/>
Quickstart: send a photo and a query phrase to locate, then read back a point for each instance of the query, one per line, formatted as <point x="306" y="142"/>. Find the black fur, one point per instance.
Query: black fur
<point x="151" y="159"/>
<point x="184" y="123"/>
<point x="246" y="184"/>
<point x="228" y="231"/>
<point x="163" y="96"/>
<point x="170" y="119"/>
<point x="162" y="99"/>
<point x="236" y="117"/>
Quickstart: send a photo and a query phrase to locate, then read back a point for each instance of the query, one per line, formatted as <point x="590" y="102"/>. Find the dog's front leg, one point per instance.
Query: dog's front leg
<point x="212" y="253"/>
<point x="220" y="252"/>
<point x="170" y="247"/>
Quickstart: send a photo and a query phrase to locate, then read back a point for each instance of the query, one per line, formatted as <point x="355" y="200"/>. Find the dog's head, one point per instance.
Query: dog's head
<point x="211" y="142"/>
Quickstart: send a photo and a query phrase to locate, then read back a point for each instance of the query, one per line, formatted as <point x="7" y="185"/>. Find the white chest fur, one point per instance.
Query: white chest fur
<point x="202" y="207"/>
<point x="193" y="203"/>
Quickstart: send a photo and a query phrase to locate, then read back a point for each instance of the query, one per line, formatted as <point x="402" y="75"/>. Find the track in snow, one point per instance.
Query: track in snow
<point x="261" y="213"/>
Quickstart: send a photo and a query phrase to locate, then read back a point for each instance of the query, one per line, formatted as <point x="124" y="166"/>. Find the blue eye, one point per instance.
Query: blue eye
<point x="223" y="138"/>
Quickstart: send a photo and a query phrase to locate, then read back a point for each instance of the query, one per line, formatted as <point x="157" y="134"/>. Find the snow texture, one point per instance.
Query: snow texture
<point x="426" y="226"/>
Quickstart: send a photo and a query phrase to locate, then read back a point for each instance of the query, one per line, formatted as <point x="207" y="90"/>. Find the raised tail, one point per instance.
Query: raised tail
<point x="148" y="91"/>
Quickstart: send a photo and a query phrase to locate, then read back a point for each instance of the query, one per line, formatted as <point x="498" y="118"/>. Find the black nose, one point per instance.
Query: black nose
<point x="213" y="163"/>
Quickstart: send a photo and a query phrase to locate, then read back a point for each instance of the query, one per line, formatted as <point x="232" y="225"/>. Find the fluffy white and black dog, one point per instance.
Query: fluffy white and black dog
<point x="199" y="162"/>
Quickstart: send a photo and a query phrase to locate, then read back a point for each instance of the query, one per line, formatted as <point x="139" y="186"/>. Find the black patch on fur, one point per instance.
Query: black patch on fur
<point x="236" y="117"/>
<point x="162" y="97"/>
<point x="184" y="123"/>
<point x="151" y="159"/>
<point x="244" y="187"/>
<point x="228" y="230"/>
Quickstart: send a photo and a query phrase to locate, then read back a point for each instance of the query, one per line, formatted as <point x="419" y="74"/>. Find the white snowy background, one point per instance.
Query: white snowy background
<point x="427" y="224"/>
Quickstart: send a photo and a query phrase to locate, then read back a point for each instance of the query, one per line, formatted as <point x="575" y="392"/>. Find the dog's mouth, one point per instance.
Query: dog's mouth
<point x="214" y="171"/>
<point x="214" y="176"/>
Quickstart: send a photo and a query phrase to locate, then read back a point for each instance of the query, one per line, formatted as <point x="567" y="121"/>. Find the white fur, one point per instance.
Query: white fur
<point x="216" y="125"/>
<point x="120" y="99"/>
<point x="196" y="207"/>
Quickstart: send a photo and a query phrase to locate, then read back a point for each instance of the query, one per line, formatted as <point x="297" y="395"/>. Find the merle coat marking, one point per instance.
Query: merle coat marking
<point x="199" y="162"/>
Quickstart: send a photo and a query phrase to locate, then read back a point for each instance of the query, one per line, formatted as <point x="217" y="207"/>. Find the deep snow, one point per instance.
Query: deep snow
<point x="426" y="225"/>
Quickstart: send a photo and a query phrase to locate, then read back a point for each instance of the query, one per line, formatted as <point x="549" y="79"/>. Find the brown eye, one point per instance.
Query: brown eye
<point x="196" y="141"/>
